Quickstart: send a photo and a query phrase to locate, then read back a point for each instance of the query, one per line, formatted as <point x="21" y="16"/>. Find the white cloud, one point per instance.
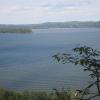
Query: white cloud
<point x="37" y="11"/>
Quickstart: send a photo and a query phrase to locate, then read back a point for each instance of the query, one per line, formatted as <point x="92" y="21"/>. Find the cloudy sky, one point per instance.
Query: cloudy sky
<point x="39" y="11"/>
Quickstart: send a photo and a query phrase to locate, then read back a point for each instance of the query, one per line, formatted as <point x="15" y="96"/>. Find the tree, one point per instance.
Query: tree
<point x="88" y="58"/>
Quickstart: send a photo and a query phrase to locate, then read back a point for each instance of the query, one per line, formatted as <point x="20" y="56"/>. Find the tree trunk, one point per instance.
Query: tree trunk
<point x="98" y="85"/>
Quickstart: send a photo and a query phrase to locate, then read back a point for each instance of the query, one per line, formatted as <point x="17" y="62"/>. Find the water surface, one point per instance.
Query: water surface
<point x="26" y="59"/>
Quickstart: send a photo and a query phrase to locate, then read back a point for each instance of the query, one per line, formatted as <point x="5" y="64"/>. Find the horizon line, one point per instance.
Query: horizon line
<point x="47" y="22"/>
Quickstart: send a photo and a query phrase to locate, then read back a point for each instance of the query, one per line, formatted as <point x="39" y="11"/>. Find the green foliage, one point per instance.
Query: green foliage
<point x="57" y="95"/>
<point x="15" y="30"/>
<point x="85" y="56"/>
<point x="68" y="94"/>
<point x="11" y="95"/>
<point x="88" y="58"/>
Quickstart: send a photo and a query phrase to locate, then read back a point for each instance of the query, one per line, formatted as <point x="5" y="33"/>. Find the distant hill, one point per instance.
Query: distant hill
<point x="28" y="28"/>
<point x="73" y="24"/>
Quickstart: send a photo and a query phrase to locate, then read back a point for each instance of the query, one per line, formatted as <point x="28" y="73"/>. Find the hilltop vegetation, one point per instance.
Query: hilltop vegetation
<point x="73" y="24"/>
<point x="14" y="29"/>
<point x="20" y="30"/>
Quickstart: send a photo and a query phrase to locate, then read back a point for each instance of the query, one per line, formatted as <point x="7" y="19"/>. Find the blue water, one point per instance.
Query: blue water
<point x="26" y="59"/>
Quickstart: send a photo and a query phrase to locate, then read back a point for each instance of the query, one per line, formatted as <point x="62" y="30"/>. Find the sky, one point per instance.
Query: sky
<point x="40" y="11"/>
